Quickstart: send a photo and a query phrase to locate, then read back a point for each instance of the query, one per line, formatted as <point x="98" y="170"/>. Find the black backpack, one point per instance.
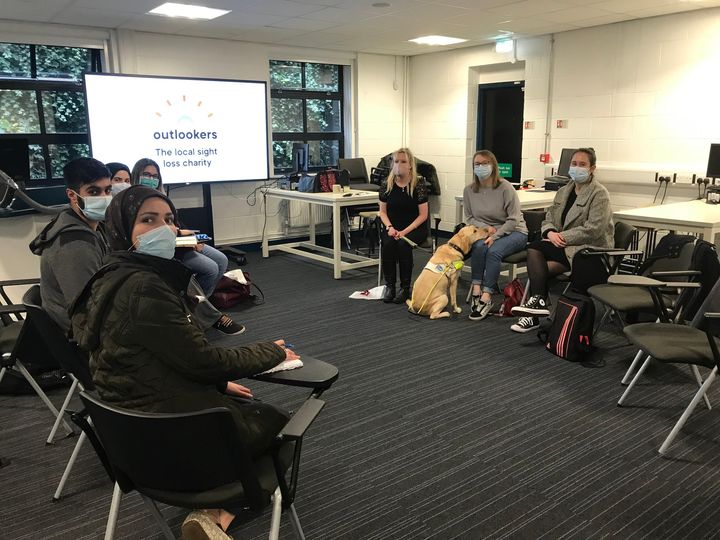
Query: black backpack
<point x="568" y="335"/>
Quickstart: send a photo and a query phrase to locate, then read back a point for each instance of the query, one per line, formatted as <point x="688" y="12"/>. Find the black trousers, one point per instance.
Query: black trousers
<point x="398" y="254"/>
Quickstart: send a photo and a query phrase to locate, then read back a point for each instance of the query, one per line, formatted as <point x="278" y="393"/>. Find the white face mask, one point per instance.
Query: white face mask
<point x="117" y="187"/>
<point x="94" y="208"/>
<point x="482" y="171"/>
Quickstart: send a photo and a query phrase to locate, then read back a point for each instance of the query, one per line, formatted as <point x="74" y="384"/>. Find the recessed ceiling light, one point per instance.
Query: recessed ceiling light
<point x="437" y="40"/>
<point x="188" y="11"/>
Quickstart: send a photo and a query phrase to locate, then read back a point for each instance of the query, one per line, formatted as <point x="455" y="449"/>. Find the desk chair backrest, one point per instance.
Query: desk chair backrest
<point x="65" y="352"/>
<point x="356" y="168"/>
<point x="673" y="252"/>
<point x="623" y="235"/>
<point x="174" y="452"/>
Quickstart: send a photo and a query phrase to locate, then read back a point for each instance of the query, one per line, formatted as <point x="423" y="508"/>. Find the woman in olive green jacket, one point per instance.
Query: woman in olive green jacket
<point x="146" y="353"/>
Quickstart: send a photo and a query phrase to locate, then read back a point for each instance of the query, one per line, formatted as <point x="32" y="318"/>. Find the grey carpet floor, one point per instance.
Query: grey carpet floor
<point x="435" y="429"/>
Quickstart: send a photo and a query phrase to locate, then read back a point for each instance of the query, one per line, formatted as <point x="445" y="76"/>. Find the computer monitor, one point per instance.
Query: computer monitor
<point x="565" y="159"/>
<point x="300" y="155"/>
<point x="713" y="168"/>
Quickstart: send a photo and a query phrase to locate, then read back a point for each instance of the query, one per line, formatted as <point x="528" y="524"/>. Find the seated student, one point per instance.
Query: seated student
<point x="403" y="212"/>
<point x="579" y="217"/>
<point x="145" y="351"/>
<point x="207" y="263"/>
<point x="73" y="244"/>
<point x="120" y="176"/>
<point x="492" y="202"/>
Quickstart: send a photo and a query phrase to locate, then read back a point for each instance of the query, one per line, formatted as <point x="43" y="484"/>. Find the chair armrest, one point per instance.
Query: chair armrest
<point x="682" y="284"/>
<point x="13" y="308"/>
<point x="634" y="281"/>
<point x="301" y="420"/>
<point x="669" y="273"/>
<point x="713" y="315"/>
<point x="613" y="252"/>
<point x="14" y="282"/>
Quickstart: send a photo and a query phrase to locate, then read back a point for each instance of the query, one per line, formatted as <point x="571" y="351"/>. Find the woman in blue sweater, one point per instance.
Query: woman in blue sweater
<point x="491" y="201"/>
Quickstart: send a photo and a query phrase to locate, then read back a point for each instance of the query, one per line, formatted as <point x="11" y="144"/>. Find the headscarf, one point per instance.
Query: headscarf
<point x="115" y="166"/>
<point x="120" y="215"/>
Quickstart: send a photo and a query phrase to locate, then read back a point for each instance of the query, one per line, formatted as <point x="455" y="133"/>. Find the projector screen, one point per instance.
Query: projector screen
<point x="197" y="130"/>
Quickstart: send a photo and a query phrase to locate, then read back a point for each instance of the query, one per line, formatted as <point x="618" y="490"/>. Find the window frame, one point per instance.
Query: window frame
<point x="39" y="86"/>
<point x="304" y="95"/>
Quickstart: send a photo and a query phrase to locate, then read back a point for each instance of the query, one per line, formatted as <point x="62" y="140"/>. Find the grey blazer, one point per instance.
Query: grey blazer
<point x="588" y="222"/>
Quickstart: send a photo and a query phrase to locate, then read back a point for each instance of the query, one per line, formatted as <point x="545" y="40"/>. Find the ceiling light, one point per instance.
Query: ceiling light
<point x="437" y="40"/>
<point x="504" y="46"/>
<point x="381" y="4"/>
<point x="187" y="11"/>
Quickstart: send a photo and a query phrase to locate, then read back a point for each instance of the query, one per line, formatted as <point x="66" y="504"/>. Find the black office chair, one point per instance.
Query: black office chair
<point x="196" y="460"/>
<point x="694" y="344"/>
<point x="65" y="352"/>
<point x="359" y="178"/>
<point x="21" y="341"/>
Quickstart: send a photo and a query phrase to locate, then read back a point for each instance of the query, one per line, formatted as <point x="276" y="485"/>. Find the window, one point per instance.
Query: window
<point x="307" y="106"/>
<point x="42" y="99"/>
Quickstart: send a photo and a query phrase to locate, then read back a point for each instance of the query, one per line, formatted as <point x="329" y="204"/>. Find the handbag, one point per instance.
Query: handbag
<point x="229" y="293"/>
<point x="514" y="292"/>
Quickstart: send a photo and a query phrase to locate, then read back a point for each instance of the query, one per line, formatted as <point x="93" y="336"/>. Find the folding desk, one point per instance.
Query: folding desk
<point x="310" y="249"/>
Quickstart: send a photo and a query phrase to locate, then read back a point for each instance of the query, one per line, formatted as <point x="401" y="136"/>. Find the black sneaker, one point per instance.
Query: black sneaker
<point x="402" y="296"/>
<point x="526" y="324"/>
<point x="479" y="309"/>
<point x="227" y="326"/>
<point x="536" y="306"/>
<point x="389" y="294"/>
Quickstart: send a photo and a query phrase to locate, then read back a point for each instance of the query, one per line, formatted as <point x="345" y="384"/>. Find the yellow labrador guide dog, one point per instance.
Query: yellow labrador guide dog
<point x="438" y="281"/>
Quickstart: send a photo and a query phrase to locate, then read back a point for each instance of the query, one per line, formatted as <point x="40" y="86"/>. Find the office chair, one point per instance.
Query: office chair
<point x="359" y="178"/>
<point x="65" y="352"/>
<point x="694" y="344"/>
<point x="21" y="341"/>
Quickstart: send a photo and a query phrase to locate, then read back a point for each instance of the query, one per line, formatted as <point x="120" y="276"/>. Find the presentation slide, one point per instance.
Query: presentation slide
<point x="197" y="130"/>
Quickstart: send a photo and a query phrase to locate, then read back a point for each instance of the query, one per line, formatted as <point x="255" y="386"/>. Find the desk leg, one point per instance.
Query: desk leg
<point x="311" y="222"/>
<point x="336" y="226"/>
<point x="265" y="250"/>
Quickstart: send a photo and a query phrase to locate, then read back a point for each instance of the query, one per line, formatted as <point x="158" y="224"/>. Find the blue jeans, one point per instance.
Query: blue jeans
<point x="208" y="266"/>
<point x="486" y="261"/>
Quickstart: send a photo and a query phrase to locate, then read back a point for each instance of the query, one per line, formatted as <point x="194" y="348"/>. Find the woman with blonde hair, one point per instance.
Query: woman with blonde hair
<point x="492" y="202"/>
<point x="404" y="213"/>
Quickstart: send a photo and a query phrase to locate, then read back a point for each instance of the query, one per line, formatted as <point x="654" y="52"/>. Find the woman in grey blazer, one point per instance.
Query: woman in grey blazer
<point x="580" y="217"/>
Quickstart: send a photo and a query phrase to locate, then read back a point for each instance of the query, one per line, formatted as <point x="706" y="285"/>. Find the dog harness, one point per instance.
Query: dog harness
<point x="442" y="269"/>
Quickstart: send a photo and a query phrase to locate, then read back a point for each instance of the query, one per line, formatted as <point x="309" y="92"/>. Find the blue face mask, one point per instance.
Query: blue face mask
<point x="482" y="171"/>
<point x="158" y="242"/>
<point x="149" y="181"/>
<point x="118" y="187"/>
<point x="579" y="174"/>
<point x="94" y="208"/>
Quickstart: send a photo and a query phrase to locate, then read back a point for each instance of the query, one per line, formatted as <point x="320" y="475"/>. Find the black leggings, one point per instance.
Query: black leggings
<point x="539" y="254"/>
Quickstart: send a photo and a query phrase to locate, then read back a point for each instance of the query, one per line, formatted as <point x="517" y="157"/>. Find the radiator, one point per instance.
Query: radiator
<point x="297" y="214"/>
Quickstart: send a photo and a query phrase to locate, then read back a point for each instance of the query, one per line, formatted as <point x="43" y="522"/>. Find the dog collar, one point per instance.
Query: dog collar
<point x="456" y="248"/>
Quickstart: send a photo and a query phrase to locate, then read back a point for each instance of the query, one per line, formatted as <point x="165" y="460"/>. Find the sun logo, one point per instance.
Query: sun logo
<point x="185" y="110"/>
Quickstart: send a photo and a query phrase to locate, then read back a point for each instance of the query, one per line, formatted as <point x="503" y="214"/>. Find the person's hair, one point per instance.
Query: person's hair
<point x="413" y="170"/>
<point x="115" y="166"/>
<point x="487" y="154"/>
<point x="590" y="153"/>
<point x="138" y="169"/>
<point x="82" y="171"/>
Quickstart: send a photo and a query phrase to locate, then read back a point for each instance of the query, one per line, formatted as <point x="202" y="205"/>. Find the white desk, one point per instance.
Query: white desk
<point x="693" y="217"/>
<point x="322" y="254"/>
<point x="529" y="200"/>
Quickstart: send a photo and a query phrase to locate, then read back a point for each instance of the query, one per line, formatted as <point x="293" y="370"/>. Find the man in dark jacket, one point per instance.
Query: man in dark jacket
<point x="73" y="244"/>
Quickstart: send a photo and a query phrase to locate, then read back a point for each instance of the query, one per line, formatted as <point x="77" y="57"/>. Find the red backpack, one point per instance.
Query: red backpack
<point x="514" y="292"/>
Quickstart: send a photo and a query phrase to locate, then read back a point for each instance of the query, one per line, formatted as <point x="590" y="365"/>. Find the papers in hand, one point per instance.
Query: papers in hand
<point x="284" y="366"/>
<point x="186" y="241"/>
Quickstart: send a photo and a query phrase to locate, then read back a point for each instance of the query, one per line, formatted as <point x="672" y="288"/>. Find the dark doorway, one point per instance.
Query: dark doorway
<point x="500" y="124"/>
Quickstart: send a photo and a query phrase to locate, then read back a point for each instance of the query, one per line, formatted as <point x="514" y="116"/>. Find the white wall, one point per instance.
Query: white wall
<point x="642" y="93"/>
